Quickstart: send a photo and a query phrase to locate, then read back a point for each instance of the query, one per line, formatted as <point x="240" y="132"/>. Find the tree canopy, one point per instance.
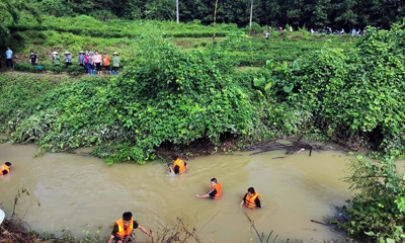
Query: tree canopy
<point x="297" y="13"/>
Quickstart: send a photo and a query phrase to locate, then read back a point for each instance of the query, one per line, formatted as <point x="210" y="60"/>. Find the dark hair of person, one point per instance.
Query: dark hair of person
<point x="174" y="157"/>
<point x="8" y="163"/>
<point x="251" y="190"/>
<point x="214" y="180"/>
<point x="127" y="216"/>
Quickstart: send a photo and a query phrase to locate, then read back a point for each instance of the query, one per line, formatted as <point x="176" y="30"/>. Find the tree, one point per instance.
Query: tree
<point x="251" y="13"/>
<point x="10" y="13"/>
<point x="177" y="12"/>
<point x="160" y="9"/>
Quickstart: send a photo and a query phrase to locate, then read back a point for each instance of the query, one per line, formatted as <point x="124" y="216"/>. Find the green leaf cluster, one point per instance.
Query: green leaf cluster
<point x="376" y="210"/>
<point x="353" y="95"/>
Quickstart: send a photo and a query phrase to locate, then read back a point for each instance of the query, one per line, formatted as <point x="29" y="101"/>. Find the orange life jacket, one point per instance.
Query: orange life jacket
<point x="217" y="187"/>
<point x="181" y="164"/>
<point x="250" y="200"/>
<point x="122" y="231"/>
<point x="4" y="167"/>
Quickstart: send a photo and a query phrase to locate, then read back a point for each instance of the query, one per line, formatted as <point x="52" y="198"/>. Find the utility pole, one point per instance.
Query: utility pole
<point x="251" y="14"/>
<point x="215" y="19"/>
<point x="177" y="11"/>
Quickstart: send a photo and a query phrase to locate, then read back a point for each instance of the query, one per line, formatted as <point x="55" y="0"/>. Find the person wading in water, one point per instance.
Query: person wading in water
<point x="215" y="191"/>
<point x="178" y="167"/>
<point x="5" y="168"/>
<point x="123" y="228"/>
<point x="251" y="199"/>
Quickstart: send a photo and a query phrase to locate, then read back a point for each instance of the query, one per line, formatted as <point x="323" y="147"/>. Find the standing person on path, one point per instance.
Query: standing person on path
<point x="5" y="168"/>
<point x="91" y="61"/>
<point x="178" y="167"/>
<point x="123" y="228"/>
<point x="97" y="62"/>
<point x="116" y="63"/>
<point x="56" y="58"/>
<point x="80" y="59"/>
<point x="86" y="62"/>
<point x="68" y="59"/>
<point x="33" y="59"/>
<point x="251" y="199"/>
<point x="215" y="191"/>
<point x="9" y="58"/>
<point x="106" y="63"/>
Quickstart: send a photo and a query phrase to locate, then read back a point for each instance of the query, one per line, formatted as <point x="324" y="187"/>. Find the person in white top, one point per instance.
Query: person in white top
<point x="97" y="62"/>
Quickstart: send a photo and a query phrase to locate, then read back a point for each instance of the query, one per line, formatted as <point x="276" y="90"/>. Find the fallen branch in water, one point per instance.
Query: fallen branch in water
<point x="13" y="231"/>
<point x="295" y="147"/>
<point x="318" y="222"/>
<point x="261" y="237"/>
<point x="253" y="226"/>
<point x="188" y="232"/>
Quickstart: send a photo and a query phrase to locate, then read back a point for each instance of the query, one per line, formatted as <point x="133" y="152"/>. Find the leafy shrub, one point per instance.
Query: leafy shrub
<point x="164" y="95"/>
<point x="354" y="95"/>
<point x="73" y="70"/>
<point x="376" y="210"/>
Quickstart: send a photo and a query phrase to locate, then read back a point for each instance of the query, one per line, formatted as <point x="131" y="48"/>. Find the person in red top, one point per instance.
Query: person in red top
<point x="123" y="228"/>
<point x="215" y="191"/>
<point x="5" y="168"/>
<point x="106" y="63"/>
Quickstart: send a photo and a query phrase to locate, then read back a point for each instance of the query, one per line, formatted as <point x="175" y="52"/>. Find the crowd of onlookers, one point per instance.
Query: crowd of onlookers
<point x="330" y="31"/>
<point x="327" y="31"/>
<point x="92" y="62"/>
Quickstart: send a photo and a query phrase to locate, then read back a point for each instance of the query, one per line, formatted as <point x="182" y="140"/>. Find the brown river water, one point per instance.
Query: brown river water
<point x="77" y="193"/>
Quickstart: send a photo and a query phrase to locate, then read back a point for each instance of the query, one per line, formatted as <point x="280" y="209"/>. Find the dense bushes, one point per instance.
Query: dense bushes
<point x="353" y="95"/>
<point x="375" y="213"/>
<point x="166" y="96"/>
<point x="58" y="115"/>
<point x="46" y="67"/>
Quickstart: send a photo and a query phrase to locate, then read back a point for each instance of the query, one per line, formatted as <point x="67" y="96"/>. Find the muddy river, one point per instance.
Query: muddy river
<point x="79" y="193"/>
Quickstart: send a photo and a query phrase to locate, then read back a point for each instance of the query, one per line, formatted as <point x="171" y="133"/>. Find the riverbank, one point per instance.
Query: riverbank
<point x="12" y="231"/>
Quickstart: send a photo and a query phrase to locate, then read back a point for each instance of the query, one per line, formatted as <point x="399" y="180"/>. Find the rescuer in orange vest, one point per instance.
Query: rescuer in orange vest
<point x="215" y="191"/>
<point x="178" y="167"/>
<point x="122" y="231"/>
<point x="251" y="199"/>
<point x="5" y="168"/>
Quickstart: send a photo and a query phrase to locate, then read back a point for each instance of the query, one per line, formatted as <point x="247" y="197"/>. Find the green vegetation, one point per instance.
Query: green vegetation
<point x="376" y="210"/>
<point x="317" y="14"/>
<point x="179" y="87"/>
<point x="86" y="33"/>
<point x="171" y="96"/>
